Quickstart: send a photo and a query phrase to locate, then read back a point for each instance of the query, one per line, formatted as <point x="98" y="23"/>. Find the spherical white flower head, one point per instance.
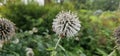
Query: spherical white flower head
<point x="29" y="52"/>
<point x="66" y="24"/>
<point x="7" y="29"/>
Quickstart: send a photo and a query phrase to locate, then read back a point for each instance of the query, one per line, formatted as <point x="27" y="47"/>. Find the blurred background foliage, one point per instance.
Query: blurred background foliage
<point x="98" y="19"/>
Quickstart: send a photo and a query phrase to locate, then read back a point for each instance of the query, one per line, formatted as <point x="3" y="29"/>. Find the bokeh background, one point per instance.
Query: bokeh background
<point x="33" y="19"/>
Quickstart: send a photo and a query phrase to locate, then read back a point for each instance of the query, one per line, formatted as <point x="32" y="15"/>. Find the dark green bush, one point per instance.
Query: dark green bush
<point x="31" y="15"/>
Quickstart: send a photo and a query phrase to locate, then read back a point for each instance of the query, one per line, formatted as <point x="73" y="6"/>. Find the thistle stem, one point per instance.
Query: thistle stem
<point x="111" y="54"/>
<point x="57" y="42"/>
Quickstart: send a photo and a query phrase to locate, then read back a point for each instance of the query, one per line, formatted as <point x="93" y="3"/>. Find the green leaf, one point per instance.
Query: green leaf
<point x="50" y="49"/>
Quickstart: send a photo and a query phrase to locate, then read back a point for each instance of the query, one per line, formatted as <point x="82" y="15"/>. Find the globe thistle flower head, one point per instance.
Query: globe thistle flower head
<point x="117" y="41"/>
<point x="29" y="52"/>
<point x="117" y="32"/>
<point x="66" y="24"/>
<point x="7" y="29"/>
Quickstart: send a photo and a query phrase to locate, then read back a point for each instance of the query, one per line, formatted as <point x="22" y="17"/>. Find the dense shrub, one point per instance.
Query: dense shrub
<point x="31" y="15"/>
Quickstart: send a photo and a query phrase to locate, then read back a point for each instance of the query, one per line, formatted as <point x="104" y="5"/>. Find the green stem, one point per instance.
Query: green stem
<point x="57" y="43"/>
<point x="111" y="54"/>
<point x="61" y="47"/>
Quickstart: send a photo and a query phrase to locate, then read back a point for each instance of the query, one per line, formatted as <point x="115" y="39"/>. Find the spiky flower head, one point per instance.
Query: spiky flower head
<point x="117" y="35"/>
<point x="29" y="52"/>
<point x="66" y="24"/>
<point x="117" y="32"/>
<point x="7" y="29"/>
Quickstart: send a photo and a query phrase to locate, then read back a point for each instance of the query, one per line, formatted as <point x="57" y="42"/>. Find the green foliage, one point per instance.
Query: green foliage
<point x="106" y="4"/>
<point x="96" y="4"/>
<point x="31" y="15"/>
<point x="94" y="39"/>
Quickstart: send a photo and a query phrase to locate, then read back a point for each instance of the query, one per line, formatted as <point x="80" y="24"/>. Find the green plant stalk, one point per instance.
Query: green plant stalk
<point x="57" y="43"/>
<point x="61" y="47"/>
<point x="112" y="53"/>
